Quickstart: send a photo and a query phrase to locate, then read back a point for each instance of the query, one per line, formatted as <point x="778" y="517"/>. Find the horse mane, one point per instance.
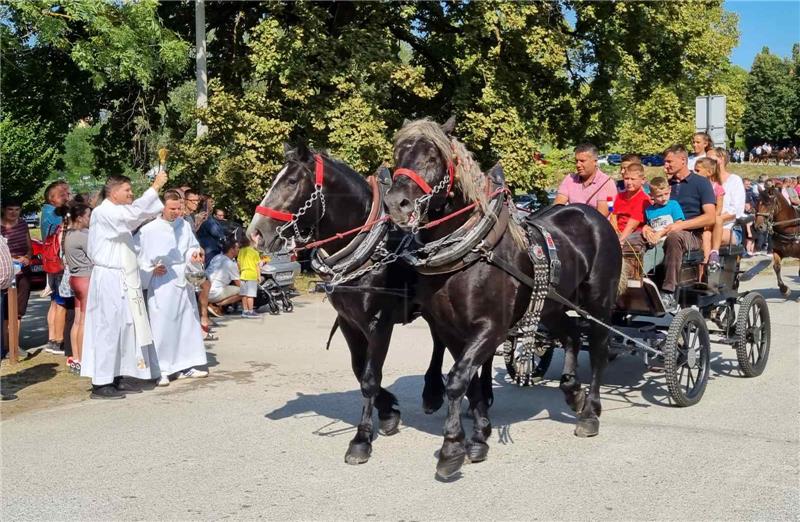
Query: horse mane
<point x="470" y="179"/>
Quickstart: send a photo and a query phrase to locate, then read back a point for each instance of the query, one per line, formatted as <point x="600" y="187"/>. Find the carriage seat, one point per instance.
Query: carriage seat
<point x="733" y="249"/>
<point x="692" y="257"/>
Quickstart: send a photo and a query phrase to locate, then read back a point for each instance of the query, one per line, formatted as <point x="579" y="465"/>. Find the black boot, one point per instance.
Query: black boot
<point x="106" y="391"/>
<point x="125" y="387"/>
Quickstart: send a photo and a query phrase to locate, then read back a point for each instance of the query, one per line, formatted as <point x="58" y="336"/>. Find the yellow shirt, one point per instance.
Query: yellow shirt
<point x="248" y="259"/>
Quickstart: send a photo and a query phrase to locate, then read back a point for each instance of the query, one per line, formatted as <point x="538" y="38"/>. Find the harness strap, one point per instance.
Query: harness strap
<point x="280" y="215"/>
<point x="421" y="183"/>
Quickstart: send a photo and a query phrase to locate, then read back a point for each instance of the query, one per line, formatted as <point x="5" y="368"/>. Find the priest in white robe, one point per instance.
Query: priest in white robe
<point x="166" y="245"/>
<point x="118" y="340"/>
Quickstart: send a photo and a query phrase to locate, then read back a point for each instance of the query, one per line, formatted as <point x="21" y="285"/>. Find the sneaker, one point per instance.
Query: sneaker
<point x="713" y="261"/>
<point x="668" y="299"/>
<point x="250" y="314"/>
<point x="192" y="373"/>
<point x="164" y="380"/>
<point x="107" y="391"/>
<point x="57" y="348"/>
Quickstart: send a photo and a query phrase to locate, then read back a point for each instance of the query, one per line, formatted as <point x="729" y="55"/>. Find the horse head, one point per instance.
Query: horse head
<point x="432" y="168"/>
<point x="312" y="195"/>
<point x="769" y="208"/>
<point x="293" y="205"/>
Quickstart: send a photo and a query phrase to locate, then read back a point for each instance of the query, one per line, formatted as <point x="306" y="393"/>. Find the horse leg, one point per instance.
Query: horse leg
<point x="360" y="448"/>
<point x="479" y="403"/>
<point x="588" y="418"/>
<point x="433" y="392"/>
<point x="564" y="330"/>
<point x="385" y="401"/>
<point x="487" y="381"/>
<point x="776" y="265"/>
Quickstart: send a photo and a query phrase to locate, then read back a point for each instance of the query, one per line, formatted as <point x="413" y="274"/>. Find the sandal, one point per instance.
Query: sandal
<point x="210" y="337"/>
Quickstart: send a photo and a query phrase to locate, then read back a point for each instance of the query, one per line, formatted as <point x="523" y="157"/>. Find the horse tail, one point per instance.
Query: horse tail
<point x="623" y="279"/>
<point x="333" y="331"/>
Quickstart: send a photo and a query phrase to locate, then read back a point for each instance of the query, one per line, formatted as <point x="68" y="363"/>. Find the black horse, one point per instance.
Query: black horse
<point x="315" y="197"/>
<point x="472" y="309"/>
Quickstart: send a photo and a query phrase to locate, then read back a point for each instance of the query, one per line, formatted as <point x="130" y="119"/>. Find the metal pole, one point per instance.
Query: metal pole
<point x="202" y="73"/>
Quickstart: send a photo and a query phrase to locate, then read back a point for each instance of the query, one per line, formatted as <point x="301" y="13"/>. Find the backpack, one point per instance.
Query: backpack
<point x="51" y="253"/>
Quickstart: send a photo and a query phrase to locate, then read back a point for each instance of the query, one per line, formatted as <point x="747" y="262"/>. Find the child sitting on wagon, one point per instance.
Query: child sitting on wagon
<point x="663" y="212"/>
<point x="712" y="235"/>
<point x="629" y="206"/>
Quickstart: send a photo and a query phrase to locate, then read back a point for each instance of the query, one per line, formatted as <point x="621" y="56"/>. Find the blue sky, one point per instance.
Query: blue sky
<point x="771" y="23"/>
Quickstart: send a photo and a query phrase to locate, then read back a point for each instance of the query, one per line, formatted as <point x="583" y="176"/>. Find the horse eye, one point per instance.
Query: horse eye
<point x="292" y="181"/>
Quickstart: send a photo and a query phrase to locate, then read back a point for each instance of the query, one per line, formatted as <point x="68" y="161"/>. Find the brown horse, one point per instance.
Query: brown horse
<point x="781" y="221"/>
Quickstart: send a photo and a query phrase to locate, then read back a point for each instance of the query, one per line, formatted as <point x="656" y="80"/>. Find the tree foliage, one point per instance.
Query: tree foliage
<point x="26" y="158"/>
<point x="772" y="99"/>
<point x="520" y="77"/>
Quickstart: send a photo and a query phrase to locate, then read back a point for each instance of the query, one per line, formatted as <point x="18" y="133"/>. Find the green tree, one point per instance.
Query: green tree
<point x="771" y="100"/>
<point x="26" y="158"/>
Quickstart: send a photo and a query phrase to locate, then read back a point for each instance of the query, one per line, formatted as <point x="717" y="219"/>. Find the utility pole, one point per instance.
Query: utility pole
<point x="202" y="73"/>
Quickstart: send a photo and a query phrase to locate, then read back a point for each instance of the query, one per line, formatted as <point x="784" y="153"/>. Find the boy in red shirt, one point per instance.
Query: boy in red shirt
<point x="629" y="205"/>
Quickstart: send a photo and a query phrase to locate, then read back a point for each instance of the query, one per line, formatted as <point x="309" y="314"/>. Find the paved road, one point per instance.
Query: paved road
<point x="265" y="436"/>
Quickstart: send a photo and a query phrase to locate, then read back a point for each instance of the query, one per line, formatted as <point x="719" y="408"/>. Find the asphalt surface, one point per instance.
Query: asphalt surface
<point x="265" y="435"/>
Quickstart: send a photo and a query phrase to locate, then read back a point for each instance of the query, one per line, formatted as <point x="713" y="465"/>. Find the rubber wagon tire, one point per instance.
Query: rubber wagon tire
<point x="687" y="353"/>
<point x="752" y="335"/>
<point x="527" y="379"/>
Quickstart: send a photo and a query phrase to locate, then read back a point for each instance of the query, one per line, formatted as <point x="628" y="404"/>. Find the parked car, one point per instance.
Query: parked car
<point x="38" y="277"/>
<point x="32" y="219"/>
<point x="614" y="159"/>
<point x="652" y="160"/>
<point x="531" y="203"/>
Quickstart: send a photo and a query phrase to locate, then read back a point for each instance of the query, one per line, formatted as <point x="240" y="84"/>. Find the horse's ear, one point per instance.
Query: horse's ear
<point x="303" y="152"/>
<point x="288" y="151"/>
<point x="406" y="121"/>
<point x="449" y="126"/>
<point x="497" y="174"/>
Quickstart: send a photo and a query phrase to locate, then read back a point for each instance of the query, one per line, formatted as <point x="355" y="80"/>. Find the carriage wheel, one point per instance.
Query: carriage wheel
<point x="752" y="334"/>
<point x="523" y="366"/>
<point x="687" y="354"/>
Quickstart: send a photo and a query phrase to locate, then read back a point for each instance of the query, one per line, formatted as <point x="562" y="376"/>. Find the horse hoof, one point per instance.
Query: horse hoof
<point x="785" y="291"/>
<point x="449" y="466"/>
<point x="389" y="426"/>
<point x="432" y="405"/>
<point x="358" y="453"/>
<point x="587" y="427"/>
<point x="477" y="452"/>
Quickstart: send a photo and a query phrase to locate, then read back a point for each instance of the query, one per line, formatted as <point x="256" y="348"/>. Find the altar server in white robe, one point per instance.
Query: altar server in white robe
<point x="166" y="245"/>
<point x="117" y="336"/>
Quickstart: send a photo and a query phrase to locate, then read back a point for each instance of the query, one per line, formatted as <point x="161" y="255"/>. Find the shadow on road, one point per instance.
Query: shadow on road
<point x="13" y="383"/>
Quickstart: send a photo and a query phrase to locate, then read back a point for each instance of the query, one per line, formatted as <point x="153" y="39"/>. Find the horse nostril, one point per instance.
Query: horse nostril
<point x="405" y="206"/>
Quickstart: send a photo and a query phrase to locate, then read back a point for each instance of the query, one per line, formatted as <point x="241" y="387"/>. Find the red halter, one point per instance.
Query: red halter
<point x="280" y="215"/>
<point x="421" y="183"/>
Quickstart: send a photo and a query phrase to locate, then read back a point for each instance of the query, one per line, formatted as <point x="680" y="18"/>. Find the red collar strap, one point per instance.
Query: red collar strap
<point x="421" y="183"/>
<point x="280" y="215"/>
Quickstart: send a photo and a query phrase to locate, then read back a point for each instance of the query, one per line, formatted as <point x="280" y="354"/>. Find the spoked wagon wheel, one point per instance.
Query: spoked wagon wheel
<point x="687" y="354"/>
<point x="286" y="302"/>
<point x="752" y="335"/>
<point x="524" y="366"/>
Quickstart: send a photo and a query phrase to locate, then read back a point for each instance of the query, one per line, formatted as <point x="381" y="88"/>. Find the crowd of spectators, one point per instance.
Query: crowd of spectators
<point x="85" y="241"/>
